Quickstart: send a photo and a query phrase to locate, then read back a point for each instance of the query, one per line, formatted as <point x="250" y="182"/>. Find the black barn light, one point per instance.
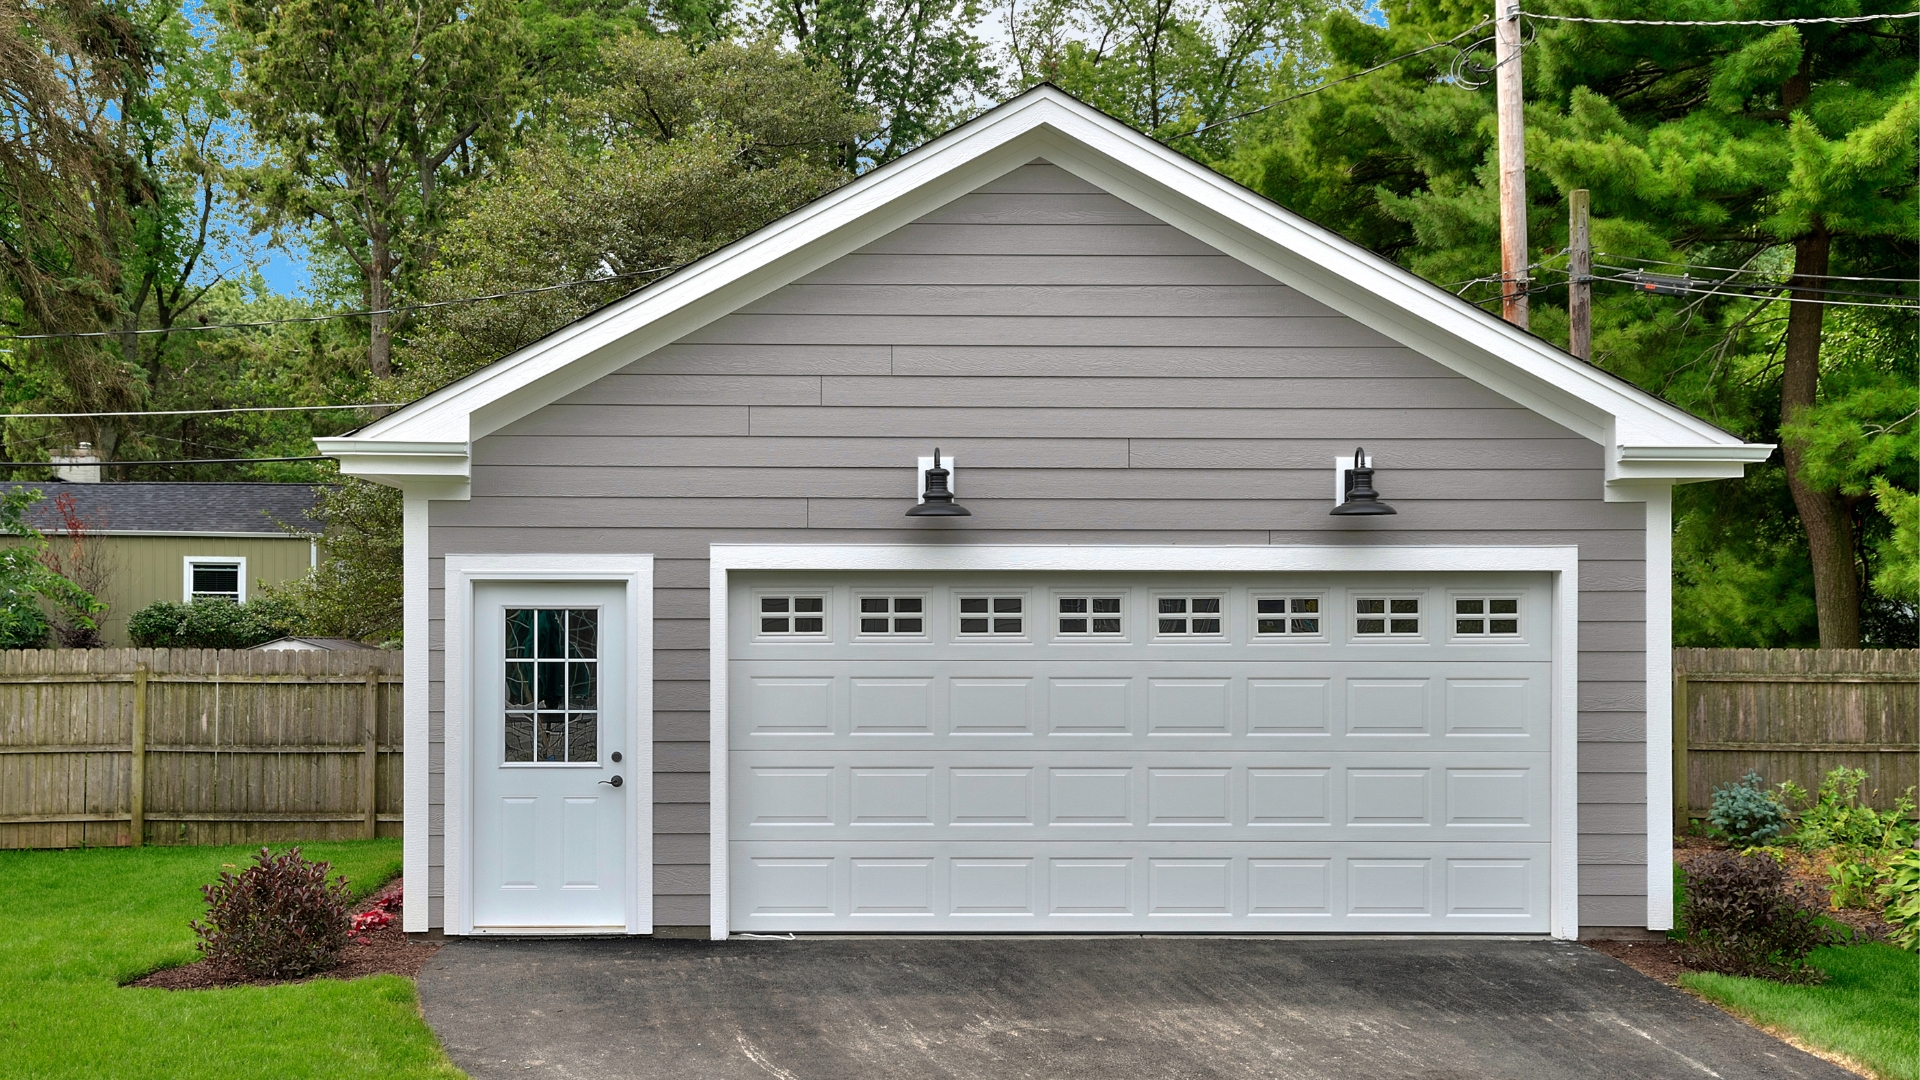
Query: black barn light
<point x="1362" y="500"/>
<point x="939" y="500"/>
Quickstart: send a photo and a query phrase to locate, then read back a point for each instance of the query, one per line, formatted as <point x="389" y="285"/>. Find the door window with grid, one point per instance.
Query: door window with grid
<point x="1189" y="616"/>
<point x="992" y="616"/>
<point x="552" y="672"/>
<point x="893" y="616"/>
<point x="1090" y="616"/>
<point x="1386" y="616"/>
<point x="1286" y="615"/>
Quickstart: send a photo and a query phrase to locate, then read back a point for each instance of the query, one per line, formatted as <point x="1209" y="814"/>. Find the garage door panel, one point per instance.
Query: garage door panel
<point x="1139" y="752"/>
<point x="1174" y="887"/>
<point x="1095" y="795"/>
<point x="1434" y="706"/>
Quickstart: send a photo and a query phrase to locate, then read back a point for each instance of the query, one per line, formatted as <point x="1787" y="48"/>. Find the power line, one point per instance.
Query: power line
<point x="183" y="461"/>
<point x="1724" y="22"/>
<point x="1332" y="82"/>
<point x="196" y="412"/>
<point x="339" y="314"/>
<point x="1744" y="270"/>
<point x="1773" y="286"/>
<point x="1719" y="287"/>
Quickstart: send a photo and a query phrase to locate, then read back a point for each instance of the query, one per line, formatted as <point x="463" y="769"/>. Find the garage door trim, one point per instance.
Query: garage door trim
<point x="1563" y="563"/>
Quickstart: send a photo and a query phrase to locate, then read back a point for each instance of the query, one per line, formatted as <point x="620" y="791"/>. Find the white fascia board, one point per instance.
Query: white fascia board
<point x="441" y="467"/>
<point x="1047" y="123"/>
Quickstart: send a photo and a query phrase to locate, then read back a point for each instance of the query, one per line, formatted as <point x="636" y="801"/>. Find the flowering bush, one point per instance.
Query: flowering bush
<point x="278" y="919"/>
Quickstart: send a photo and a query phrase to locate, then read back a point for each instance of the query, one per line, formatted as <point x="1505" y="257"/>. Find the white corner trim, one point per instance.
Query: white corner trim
<point x="187" y="563"/>
<point x="1562" y="562"/>
<point x="1660" y="708"/>
<point x="417" y="439"/>
<point x="416" y="719"/>
<point x="462" y="574"/>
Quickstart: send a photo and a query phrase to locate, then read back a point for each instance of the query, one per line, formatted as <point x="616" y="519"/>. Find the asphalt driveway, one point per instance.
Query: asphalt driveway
<point x="1057" y="1008"/>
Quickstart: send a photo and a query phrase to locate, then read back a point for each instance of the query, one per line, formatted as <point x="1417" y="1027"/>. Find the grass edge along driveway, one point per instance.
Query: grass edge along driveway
<point x="76" y="924"/>
<point x="1868" y="1010"/>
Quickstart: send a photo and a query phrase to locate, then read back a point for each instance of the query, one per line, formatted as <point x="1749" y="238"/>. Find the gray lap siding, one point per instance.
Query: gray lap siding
<point x="1100" y="378"/>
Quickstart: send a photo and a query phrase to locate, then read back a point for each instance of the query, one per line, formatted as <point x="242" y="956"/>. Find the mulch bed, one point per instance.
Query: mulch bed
<point x="385" y="951"/>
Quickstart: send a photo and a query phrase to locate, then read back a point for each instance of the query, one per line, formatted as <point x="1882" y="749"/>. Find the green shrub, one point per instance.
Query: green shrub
<point x="1745" y="916"/>
<point x="1901" y="892"/>
<point x="278" y="919"/>
<point x="210" y="624"/>
<point x="1853" y="882"/>
<point x="1835" y="818"/>
<point x="1747" y="811"/>
<point x="22" y="624"/>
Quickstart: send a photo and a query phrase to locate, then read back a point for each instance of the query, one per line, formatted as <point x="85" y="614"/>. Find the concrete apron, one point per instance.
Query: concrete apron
<point x="1142" y="1008"/>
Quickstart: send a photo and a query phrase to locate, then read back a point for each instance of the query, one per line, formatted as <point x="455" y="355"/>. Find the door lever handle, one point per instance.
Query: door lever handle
<point x="615" y="782"/>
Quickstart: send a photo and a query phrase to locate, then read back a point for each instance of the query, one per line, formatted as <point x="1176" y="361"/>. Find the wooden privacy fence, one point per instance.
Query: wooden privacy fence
<point x="103" y="747"/>
<point x="1793" y="714"/>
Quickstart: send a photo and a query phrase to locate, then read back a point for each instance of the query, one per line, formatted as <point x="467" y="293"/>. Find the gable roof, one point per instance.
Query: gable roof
<point x="427" y="443"/>
<point x="171" y="509"/>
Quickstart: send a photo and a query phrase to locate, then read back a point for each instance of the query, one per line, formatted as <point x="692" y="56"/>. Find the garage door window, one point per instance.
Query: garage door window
<point x="992" y="616"/>
<point x="1189" y="616"/>
<point x="1090" y="616"/>
<point x="1287" y="616"/>
<point x="793" y="616"/>
<point x="893" y="616"/>
<point x="1386" y="616"/>
<point x="1493" y="616"/>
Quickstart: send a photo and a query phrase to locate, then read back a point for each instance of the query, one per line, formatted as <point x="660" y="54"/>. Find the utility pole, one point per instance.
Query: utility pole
<point x="1513" y="165"/>
<point x="1579" y="277"/>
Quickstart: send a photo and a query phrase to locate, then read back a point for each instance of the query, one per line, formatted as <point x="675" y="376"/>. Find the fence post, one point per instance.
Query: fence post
<point x="370" y="765"/>
<point x="137" y="781"/>
<point x="1682" y="812"/>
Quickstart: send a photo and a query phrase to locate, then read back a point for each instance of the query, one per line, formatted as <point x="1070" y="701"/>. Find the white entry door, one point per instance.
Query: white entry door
<point x="551" y="781"/>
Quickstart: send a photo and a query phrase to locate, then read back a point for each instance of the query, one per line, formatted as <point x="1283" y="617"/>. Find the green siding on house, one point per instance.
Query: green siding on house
<point x="153" y="567"/>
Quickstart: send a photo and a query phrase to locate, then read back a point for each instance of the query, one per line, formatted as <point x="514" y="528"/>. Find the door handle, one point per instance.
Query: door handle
<point x="615" y="782"/>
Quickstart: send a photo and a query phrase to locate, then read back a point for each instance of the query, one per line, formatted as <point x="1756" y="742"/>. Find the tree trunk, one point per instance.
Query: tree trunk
<point x="1824" y="515"/>
<point x="380" y="335"/>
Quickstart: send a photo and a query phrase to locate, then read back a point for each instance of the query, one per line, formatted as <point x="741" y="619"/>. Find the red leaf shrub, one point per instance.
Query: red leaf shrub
<point x="1745" y="916"/>
<point x="278" y="919"/>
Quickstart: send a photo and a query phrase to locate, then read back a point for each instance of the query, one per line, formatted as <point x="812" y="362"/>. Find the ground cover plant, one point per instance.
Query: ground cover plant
<point x="80" y="923"/>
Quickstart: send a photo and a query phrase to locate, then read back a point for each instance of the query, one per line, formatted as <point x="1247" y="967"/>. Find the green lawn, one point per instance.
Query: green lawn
<point x="1868" y="1010"/>
<point x="74" y="925"/>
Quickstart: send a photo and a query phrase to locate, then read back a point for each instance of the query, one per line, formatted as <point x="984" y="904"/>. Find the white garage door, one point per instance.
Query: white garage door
<point x="1139" y="753"/>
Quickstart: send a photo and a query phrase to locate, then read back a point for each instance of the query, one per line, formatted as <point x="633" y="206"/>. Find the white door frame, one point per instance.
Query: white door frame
<point x="463" y="574"/>
<point x="1562" y="562"/>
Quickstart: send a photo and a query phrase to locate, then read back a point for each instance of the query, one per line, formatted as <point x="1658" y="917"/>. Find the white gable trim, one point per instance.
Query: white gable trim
<point x="431" y="437"/>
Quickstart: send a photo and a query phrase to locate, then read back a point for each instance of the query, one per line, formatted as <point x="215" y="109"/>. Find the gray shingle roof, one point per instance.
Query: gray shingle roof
<point x="178" y="508"/>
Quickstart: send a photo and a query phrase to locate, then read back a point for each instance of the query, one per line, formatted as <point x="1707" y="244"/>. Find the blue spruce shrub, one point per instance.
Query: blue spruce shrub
<point x="1747" y="811"/>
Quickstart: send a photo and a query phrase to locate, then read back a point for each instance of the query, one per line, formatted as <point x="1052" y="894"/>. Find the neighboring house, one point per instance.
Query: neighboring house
<point x="1152" y="683"/>
<point x="180" y="542"/>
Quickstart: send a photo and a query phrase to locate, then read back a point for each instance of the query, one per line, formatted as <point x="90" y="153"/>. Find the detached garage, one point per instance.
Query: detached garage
<point x="700" y="640"/>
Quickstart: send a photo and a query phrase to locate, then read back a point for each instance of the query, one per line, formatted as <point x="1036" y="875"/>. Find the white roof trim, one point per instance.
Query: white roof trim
<point x="1652" y="439"/>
